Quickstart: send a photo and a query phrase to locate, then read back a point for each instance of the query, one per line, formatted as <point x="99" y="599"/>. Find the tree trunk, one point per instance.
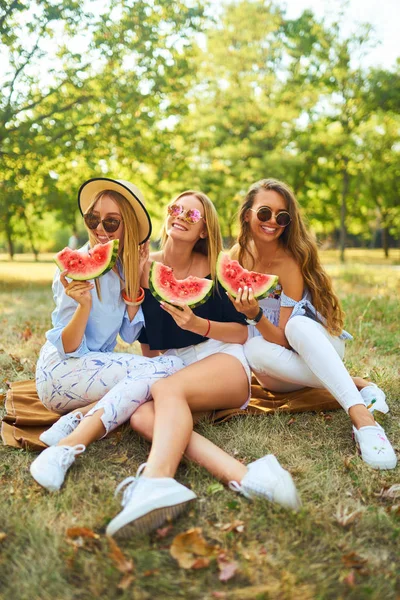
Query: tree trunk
<point x="31" y="240"/>
<point x="10" y="242"/>
<point x="343" y="211"/>
<point x="385" y="241"/>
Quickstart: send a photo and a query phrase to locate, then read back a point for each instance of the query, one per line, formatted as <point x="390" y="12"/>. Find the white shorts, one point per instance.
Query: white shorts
<point x="192" y="354"/>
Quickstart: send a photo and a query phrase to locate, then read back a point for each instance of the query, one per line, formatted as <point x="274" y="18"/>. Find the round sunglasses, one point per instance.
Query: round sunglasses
<point x="110" y="224"/>
<point x="191" y="215"/>
<point x="265" y="213"/>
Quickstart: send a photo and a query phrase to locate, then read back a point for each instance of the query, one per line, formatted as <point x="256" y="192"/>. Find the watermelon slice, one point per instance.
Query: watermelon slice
<point x="232" y="277"/>
<point x="191" y="291"/>
<point x="88" y="265"/>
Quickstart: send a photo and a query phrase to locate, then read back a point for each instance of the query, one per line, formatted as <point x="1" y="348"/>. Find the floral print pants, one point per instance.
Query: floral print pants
<point x="118" y="382"/>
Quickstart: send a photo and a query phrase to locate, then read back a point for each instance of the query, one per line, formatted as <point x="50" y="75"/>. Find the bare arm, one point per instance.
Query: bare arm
<point x="72" y="334"/>
<point x="231" y="333"/>
<point x="293" y="284"/>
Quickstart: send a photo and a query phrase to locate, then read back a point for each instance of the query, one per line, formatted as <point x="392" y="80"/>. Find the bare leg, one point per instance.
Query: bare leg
<point x="199" y="449"/>
<point x="217" y="381"/>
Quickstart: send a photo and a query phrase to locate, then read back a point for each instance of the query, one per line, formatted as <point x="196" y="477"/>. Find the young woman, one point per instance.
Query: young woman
<point x="77" y="366"/>
<point x="296" y="338"/>
<point x="216" y="375"/>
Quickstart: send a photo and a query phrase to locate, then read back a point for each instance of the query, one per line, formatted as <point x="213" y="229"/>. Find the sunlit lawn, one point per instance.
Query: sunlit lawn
<point x="279" y="555"/>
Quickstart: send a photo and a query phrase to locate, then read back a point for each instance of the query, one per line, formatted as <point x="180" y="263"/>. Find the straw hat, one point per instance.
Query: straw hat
<point x="92" y="187"/>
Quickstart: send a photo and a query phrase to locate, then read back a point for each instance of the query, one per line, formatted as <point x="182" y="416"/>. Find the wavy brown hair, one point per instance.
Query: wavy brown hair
<point x="298" y="241"/>
<point x="211" y="245"/>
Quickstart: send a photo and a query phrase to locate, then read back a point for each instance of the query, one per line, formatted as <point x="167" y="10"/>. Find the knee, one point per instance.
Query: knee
<point x="295" y="327"/>
<point x="142" y="420"/>
<point x="259" y="353"/>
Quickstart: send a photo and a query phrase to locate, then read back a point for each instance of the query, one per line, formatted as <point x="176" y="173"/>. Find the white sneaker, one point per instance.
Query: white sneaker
<point x="50" y="467"/>
<point x="267" y="479"/>
<point x="61" y="428"/>
<point x="374" y="398"/>
<point x="148" y="502"/>
<point x="374" y="447"/>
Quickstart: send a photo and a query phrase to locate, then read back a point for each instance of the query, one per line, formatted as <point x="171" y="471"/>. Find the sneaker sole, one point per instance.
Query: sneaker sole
<point x="150" y="521"/>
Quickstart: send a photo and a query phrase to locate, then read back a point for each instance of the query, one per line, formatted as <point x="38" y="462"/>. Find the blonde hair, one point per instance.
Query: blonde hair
<point x="211" y="245"/>
<point x="128" y="255"/>
<point x="298" y="241"/>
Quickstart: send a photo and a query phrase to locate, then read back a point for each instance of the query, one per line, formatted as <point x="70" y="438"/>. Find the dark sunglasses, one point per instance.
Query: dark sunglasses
<point x="264" y="213"/>
<point x="191" y="215"/>
<point x="110" y="224"/>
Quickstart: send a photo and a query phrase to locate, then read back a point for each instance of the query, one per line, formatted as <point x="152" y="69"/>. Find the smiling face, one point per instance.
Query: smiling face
<point x="179" y="229"/>
<point x="107" y="208"/>
<point x="267" y="231"/>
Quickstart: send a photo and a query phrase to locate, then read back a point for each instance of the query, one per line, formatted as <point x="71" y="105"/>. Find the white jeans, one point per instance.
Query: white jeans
<point x="316" y="362"/>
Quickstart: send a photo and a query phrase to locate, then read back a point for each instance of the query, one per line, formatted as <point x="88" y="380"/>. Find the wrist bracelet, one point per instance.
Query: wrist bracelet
<point x="130" y="302"/>
<point x="208" y="328"/>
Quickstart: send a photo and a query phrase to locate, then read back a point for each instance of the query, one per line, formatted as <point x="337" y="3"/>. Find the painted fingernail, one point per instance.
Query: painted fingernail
<point x="245" y="287"/>
<point x="250" y="289"/>
<point x="239" y="290"/>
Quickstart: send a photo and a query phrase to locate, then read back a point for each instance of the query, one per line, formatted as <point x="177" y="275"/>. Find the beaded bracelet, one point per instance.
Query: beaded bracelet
<point x="138" y="300"/>
<point x="208" y="328"/>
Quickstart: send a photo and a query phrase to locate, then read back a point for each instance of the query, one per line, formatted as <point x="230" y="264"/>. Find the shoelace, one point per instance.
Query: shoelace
<point x="71" y="422"/>
<point x="70" y="453"/>
<point x="129" y="483"/>
<point x="235" y="486"/>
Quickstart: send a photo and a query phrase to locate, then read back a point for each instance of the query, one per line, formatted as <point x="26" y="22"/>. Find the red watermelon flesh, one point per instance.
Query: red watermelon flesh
<point x="191" y="291"/>
<point x="82" y="266"/>
<point x="232" y="277"/>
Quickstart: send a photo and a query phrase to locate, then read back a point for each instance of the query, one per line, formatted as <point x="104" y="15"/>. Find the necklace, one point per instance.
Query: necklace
<point x="188" y="269"/>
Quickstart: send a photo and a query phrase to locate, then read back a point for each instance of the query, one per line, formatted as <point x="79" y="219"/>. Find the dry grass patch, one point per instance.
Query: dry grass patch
<point x="322" y="552"/>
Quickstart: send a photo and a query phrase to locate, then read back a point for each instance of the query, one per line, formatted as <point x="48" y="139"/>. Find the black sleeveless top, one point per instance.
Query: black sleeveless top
<point x="162" y="333"/>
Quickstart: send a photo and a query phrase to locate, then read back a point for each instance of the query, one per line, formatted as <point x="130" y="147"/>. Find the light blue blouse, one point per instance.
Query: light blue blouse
<point x="271" y="306"/>
<point x="108" y="318"/>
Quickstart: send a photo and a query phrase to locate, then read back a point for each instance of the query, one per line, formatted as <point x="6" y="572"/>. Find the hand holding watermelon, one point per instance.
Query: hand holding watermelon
<point x="245" y="303"/>
<point x="77" y="290"/>
<point x="183" y="316"/>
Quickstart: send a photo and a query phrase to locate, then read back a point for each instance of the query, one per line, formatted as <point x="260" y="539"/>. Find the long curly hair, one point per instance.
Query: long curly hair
<point x="298" y="241"/>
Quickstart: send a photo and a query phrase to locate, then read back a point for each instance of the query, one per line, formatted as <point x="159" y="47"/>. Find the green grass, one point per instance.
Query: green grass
<point x="279" y="555"/>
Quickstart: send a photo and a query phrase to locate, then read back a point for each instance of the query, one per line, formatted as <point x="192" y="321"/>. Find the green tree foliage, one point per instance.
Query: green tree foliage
<point x="175" y="96"/>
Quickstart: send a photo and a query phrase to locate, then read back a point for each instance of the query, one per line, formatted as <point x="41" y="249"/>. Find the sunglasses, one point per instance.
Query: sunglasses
<point x="191" y="215"/>
<point x="264" y="213"/>
<point x="110" y="224"/>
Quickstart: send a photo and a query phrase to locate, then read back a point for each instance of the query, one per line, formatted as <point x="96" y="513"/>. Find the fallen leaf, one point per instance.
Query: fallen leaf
<point x="164" y="531"/>
<point x="291" y="421"/>
<point x="237" y="525"/>
<point x="219" y="594"/>
<point x="226" y="567"/>
<point x="214" y="488"/>
<point x="125" y="582"/>
<point x="26" y="334"/>
<point x="392" y="492"/>
<point x="123" y="565"/>
<point x="83" y="532"/>
<point x="120" y="460"/>
<point x="151" y="572"/>
<point x="392" y="510"/>
<point x="188" y="547"/>
<point x="354" y="561"/>
<point x="347" y="461"/>
<point x="345" y="517"/>
<point x="2" y="536"/>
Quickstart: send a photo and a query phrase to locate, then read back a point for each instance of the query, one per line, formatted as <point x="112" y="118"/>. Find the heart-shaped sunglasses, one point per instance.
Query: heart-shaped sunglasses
<point x="191" y="215"/>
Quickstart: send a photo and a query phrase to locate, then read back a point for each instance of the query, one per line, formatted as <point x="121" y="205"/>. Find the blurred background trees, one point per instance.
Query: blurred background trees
<point x="174" y="96"/>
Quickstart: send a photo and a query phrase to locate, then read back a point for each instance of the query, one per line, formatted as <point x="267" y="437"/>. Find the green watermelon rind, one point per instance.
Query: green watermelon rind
<point x="102" y="270"/>
<point x="163" y="298"/>
<point x="271" y="283"/>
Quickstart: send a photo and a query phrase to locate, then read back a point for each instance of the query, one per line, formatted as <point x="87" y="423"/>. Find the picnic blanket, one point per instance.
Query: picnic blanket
<point x="26" y="417"/>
